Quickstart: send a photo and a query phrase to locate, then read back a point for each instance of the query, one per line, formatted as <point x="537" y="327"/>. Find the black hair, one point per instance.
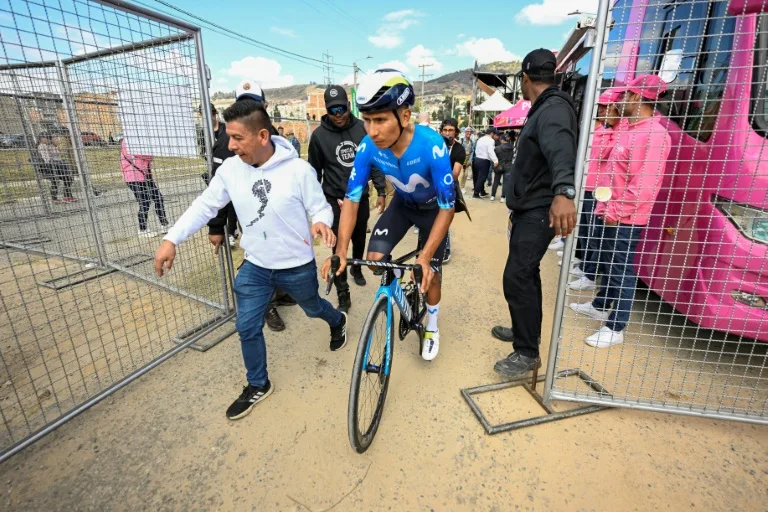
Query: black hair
<point x="450" y="122"/>
<point x="548" y="79"/>
<point x="249" y="112"/>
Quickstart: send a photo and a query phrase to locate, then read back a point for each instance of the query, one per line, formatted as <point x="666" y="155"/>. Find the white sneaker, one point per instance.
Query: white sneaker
<point x="493" y="198"/>
<point x="576" y="271"/>
<point x="559" y="254"/>
<point x="556" y="245"/>
<point x="503" y="198"/>
<point x="416" y="230"/>
<point x="604" y="338"/>
<point x="147" y="234"/>
<point x="431" y="345"/>
<point x="587" y="309"/>
<point x="231" y="241"/>
<point x="574" y="262"/>
<point x="583" y="283"/>
<point x="163" y="230"/>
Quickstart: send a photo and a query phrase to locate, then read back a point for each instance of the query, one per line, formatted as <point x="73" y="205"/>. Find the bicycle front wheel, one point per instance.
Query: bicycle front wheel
<point x="368" y="388"/>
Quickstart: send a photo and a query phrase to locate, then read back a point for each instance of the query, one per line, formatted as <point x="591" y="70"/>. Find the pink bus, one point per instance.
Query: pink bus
<point x="705" y="251"/>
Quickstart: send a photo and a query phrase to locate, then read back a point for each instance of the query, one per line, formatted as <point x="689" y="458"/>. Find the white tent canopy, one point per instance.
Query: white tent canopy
<point x="496" y="103"/>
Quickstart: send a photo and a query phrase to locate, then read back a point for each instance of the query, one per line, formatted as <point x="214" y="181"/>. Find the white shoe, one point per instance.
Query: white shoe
<point x="231" y="241"/>
<point x="604" y="338"/>
<point x="587" y="309"/>
<point x="559" y="254"/>
<point x="147" y="234"/>
<point x="163" y="230"/>
<point x="574" y="262"/>
<point x="556" y="245"/>
<point x="503" y="198"/>
<point x="493" y="198"/>
<point x="431" y="345"/>
<point x="416" y="230"/>
<point x="576" y="271"/>
<point x="581" y="284"/>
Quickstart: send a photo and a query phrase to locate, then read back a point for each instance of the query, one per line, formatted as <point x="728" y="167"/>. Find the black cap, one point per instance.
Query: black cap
<point x="335" y="95"/>
<point x="539" y="63"/>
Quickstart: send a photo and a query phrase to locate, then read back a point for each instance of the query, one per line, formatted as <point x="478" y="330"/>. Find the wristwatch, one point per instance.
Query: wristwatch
<point x="565" y="190"/>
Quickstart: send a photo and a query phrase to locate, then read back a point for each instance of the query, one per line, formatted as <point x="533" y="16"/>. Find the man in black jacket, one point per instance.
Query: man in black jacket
<point x="540" y="193"/>
<point x="332" y="149"/>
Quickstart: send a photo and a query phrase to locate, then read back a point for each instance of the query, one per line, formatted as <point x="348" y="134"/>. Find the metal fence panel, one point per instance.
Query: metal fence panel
<point x="696" y="331"/>
<point x="81" y="309"/>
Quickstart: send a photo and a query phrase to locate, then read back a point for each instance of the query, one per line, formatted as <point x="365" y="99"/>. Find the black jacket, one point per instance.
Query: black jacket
<point x="546" y="152"/>
<point x="332" y="154"/>
<point x="506" y="155"/>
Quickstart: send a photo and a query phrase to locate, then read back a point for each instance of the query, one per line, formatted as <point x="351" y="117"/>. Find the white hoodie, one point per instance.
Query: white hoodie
<point x="272" y="204"/>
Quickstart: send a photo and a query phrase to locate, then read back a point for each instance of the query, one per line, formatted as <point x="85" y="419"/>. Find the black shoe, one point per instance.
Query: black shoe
<point x="250" y="396"/>
<point x="447" y="257"/>
<point x="483" y="195"/>
<point x="274" y="322"/>
<point x="339" y="334"/>
<point x="345" y="301"/>
<point x="357" y="275"/>
<point x="284" y="300"/>
<point x="503" y="333"/>
<point x="516" y="365"/>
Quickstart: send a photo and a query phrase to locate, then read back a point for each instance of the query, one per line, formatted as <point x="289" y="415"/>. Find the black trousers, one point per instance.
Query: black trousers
<point x="358" y="235"/>
<point x="60" y="172"/>
<point x="231" y="219"/>
<point x="480" y="169"/>
<point x="146" y="192"/>
<point x="528" y="243"/>
<point x="496" y="182"/>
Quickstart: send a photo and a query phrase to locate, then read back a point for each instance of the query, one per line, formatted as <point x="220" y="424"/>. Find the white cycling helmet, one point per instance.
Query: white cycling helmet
<point x="384" y="89"/>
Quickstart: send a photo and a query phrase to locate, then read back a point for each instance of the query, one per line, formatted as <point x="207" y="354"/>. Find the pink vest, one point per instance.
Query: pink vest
<point x="134" y="167"/>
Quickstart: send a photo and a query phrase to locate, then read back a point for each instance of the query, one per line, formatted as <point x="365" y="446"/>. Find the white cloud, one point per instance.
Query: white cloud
<point x="554" y="12"/>
<point x="461" y="36"/>
<point x="267" y="72"/>
<point x="388" y="35"/>
<point x="399" y="15"/>
<point x="392" y="64"/>
<point x="287" y="32"/>
<point x="419" y="55"/>
<point x="485" y="50"/>
<point x="385" y="40"/>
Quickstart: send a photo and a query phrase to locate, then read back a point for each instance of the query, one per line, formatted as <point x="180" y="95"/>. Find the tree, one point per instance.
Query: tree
<point x="434" y="116"/>
<point x="276" y="117"/>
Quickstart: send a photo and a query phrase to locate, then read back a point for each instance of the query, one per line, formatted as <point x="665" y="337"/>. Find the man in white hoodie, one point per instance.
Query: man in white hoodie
<point x="273" y="191"/>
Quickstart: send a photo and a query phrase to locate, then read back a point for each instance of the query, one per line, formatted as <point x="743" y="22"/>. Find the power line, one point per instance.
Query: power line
<point x="355" y="22"/>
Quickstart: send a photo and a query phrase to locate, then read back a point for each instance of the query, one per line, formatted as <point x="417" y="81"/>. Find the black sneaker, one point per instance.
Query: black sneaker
<point x="339" y="334"/>
<point x="516" y="365"/>
<point x="503" y="333"/>
<point x="345" y="301"/>
<point x="274" y="322"/>
<point x="250" y="396"/>
<point x="357" y="275"/>
<point x="284" y="300"/>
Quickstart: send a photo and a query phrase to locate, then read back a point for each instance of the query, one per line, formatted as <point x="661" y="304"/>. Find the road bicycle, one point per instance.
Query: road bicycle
<point x="373" y="362"/>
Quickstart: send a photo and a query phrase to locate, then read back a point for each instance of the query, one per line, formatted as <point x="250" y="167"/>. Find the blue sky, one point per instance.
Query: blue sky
<point x="395" y="34"/>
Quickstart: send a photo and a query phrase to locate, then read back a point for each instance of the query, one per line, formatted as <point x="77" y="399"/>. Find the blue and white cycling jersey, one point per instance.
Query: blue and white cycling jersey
<point x="420" y="177"/>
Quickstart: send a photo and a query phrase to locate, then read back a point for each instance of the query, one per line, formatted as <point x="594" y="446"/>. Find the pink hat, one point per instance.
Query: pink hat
<point x="609" y="96"/>
<point x="650" y="87"/>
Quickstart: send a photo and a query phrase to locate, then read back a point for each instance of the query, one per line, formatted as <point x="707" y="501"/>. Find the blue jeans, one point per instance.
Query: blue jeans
<point x="254" y="287"/>
<point x="585" y="227"/>
<point x="593" y="240"/>
<point x="617" y="290"/>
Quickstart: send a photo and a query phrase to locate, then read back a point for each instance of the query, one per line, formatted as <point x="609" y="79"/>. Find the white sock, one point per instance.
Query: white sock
<point x="432" y="317"/>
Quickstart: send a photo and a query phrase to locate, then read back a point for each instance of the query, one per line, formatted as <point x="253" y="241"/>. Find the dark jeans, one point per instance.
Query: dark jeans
<point x="254" y="287"/>
<point x="358" y="235"/>
<point x="480" y="169"/>
<point x="231" y="219"/>
<point x="496" y="182"/>
<point x="61" y="172"/>
<point x="591" y="265"/>
<point x="528" y="242"/>
<point x="617" y="290"/>
<point x="586" y="225"/>
<point x="145" y="193"/>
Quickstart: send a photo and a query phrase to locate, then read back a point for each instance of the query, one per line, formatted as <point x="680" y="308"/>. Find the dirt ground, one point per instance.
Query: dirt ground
<point x="163" y="443"/>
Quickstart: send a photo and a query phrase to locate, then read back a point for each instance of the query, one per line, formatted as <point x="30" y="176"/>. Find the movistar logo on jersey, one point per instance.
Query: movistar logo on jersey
<point x="439" y="152"/>
<point x="414" y="181"/>
<point x="401" y="99"/>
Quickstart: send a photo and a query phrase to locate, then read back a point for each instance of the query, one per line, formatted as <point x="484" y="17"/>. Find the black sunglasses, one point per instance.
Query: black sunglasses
<point x="338" y="110"/>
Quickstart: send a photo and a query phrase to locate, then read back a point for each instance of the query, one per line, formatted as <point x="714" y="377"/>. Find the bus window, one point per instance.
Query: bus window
<point x="616" y="38"/>
<point x="760" y="87"/>
<point x="712" y="71"/>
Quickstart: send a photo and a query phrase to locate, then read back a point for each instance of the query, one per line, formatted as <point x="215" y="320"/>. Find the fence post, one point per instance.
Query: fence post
<point x="80" y="158"/>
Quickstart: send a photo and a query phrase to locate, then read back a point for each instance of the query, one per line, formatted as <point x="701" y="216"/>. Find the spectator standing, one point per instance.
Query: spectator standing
<point x="332" y="150"/>
<point x="137" y="174"/>
<point x="497" y="142"/>
<point x="226" y="216"/>
<point x="540" y="194"/>
<point x="294" y="142"/>
<point x="281" y="131"/>
<point x="56" y="170"/>
<point x="485" y="158"/>
<point x="449" y="129"/>
<point x="506" y="155"/>
<point x="469" y="148"/>
<point x="275" y="193"/>
<point x="635" y="171"/>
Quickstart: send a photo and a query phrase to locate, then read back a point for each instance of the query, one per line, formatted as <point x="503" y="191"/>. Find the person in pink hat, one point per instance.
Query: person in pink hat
<point x="634" y="173"/>
<point x="588" y="241"/>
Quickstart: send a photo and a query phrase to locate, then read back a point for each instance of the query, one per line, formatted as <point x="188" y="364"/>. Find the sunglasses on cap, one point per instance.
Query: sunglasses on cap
<point x="338" y="110"/>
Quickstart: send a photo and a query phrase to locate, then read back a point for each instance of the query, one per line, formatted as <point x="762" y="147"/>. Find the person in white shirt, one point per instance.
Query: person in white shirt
<point x="485" y="156"/>
<point x="56" y="170"/>
<point x="273" y="192"/>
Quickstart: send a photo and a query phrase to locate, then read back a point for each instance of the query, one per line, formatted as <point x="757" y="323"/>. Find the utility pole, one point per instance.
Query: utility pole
<point x="423" y="67"/>
<point x="327" y="67"/>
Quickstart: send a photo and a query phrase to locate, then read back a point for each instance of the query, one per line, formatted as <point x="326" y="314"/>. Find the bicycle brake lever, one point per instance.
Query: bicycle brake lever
<point x="335" y="264"/>
<point x="418" y="274"/>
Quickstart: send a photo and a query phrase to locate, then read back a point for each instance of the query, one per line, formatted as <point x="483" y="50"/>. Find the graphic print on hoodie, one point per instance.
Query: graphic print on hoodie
<point x="261" y="190"/>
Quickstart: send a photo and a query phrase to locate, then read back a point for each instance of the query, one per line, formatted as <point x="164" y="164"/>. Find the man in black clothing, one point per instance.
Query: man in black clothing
<point x="226" y="215"/>
<point x="540" y="193"/>
<point x="449" y="129"/>
<point x="332" y="150"/>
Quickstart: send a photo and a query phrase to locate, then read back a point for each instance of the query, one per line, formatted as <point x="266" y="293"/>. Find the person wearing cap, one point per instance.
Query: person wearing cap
<point x="485" y="158"/>
<point x="540" y="194"/>
<point x="275" y="194"/>
<point x="227" y="216"/>
<point x="506" y="155"/>
<point x="332" y="149"/>
<point x="589" y="237"/>
<point x="635" y="170"/>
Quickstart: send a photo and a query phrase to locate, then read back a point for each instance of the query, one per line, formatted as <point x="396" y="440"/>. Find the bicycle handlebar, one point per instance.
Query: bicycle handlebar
<point x="418" y="272"/>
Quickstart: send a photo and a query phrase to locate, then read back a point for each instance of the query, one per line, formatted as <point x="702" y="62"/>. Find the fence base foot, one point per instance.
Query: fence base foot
<point x="219" y="326"/>
<point x="90" y="273"/>
<point x="530" y="386"/>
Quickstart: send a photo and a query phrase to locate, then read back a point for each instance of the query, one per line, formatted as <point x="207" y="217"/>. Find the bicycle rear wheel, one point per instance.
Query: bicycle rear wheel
<point x="368" y="388"/>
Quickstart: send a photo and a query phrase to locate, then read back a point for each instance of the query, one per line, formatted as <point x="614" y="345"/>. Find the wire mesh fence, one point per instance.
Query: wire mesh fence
<point x="100" y="107"/>
<point x="666" y="304"/>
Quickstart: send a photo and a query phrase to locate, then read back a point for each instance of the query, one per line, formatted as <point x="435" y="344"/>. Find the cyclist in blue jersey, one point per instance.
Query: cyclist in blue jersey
<point x="415" y="160"/>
